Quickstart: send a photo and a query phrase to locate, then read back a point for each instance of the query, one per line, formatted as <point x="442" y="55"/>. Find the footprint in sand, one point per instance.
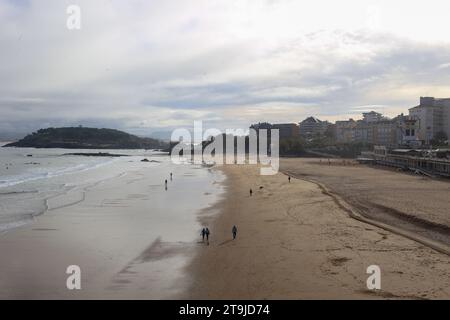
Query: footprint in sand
<point x="339" y="261"/>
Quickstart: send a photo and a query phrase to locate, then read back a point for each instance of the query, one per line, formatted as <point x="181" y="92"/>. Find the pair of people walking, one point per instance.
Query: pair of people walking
<point x="205" y="233"/>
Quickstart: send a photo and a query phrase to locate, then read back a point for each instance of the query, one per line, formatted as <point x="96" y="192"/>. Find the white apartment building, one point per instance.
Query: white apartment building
<point x="434" y="117"/>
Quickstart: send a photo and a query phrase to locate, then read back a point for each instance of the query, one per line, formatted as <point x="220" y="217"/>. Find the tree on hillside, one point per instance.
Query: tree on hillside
<point x="291" y="147"/>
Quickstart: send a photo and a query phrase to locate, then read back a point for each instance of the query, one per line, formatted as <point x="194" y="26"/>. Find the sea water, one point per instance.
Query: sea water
<point x="33" y="181"/>
<point x="123" y="195"/>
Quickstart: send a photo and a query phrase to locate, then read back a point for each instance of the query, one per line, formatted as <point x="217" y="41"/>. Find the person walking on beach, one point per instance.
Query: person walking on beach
<point x="234" y="231"/>
<point x="165" y="183"/>
<point x="251" y="192"/>
<point x="207" y="235"/>
<point x="289" y="178"/>
<point x="171" y="176"/>
<point x="203" y="234"/>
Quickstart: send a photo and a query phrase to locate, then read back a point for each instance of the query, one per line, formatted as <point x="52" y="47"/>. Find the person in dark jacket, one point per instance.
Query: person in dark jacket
<point x="203" y="234"/>
<point x="207" y="234"/>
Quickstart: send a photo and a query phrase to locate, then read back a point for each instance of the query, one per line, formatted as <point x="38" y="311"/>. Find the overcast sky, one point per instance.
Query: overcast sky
<point x="145" y="66"/>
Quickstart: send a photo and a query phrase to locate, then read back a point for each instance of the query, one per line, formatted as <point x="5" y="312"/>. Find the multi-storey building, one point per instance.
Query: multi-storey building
<point x="434" y="117"/>
<point x="285" y="130"/>
<point x="408" y="131"/>
<point x="384" y="133"/>
<point x="372" y="116"/>
<point x="363" y="131"/>
<point x="346" y="131"/>
<point x="312" y="126"/>
<point x="376" y="129"/>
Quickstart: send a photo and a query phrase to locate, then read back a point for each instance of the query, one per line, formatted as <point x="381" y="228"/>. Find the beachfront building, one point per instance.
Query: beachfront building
<point x="261" y="125"/>
<point x="372" y="116"/>
<point x="434" y="117"/>
<point x="373" y="128"/>
<point x="287" y="130"/>
<point x="384" y="133"/>
<point x="313" y="126"/>
<point x="421" y="161"/>
<point x="346" y="131"/>
<point x="376" y="129"/>
<point x="363" y="132"/>
<point x="408" y="128"/>
<point x="400" y="131"/>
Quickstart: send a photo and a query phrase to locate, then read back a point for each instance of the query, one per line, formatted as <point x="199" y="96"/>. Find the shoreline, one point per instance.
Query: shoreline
<point x="130" y="237"/>
<point x="295" y="242"/>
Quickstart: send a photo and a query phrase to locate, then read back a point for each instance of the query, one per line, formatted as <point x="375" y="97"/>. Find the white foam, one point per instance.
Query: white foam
<point x="32" y="176"/>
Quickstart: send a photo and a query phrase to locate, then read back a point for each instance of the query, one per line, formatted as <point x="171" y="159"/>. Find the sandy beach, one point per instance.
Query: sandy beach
<point x="416" y="204"/>
<point x="130" y="237"/>
<point x="295" y="242"/>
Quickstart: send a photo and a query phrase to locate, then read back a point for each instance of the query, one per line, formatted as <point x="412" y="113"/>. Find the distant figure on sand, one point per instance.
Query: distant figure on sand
<point x="234" y="231"/>
<point x="251" y="192"/>
<point x="203" y="234"/>
<point x="165" y="183"/>
<point x="207" y="234"/>
<point x="171" y="176"/>
<point x="289" y="178"/>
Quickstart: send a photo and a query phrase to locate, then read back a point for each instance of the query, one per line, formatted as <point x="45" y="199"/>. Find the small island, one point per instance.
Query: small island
<point x="86" y="138"/>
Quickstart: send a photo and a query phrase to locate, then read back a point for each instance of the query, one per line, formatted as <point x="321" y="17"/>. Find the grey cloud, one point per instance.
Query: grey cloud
<point x="140" y="67"/>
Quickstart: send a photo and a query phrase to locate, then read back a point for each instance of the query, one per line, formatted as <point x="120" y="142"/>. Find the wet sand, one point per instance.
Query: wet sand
<point x="130" y="237"/>
<point x="295" y="242"/>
